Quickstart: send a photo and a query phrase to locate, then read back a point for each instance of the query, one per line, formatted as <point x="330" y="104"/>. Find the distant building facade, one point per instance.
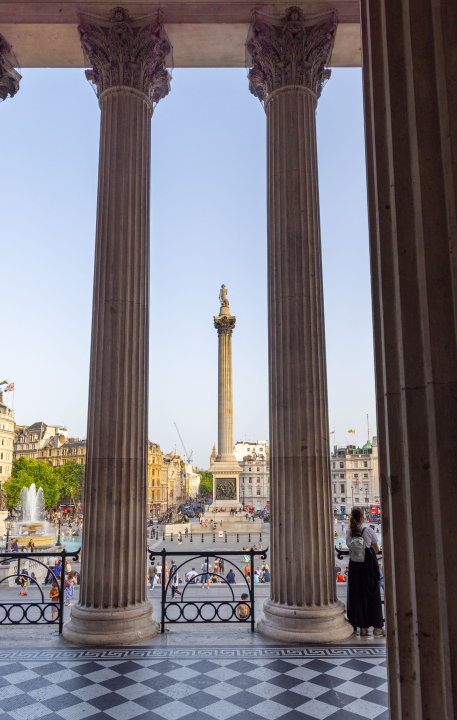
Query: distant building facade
<point x="255" y="476"/>
<point x="155" y="500"/>
<point x="30" y="440"/>
<point x="57" y="453"/>
<point x="6" y="441"/>
<point x="355" y="476"/>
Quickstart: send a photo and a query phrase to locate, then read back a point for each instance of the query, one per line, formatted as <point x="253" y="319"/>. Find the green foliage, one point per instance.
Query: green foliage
<point x="56" y="482"/>
<point x="24" y="473"/>
<point x="71" y="476"/>
<point x="206" y="482"/>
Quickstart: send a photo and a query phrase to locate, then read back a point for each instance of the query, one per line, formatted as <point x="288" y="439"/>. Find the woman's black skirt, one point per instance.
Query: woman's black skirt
<point x="364" y="607"/>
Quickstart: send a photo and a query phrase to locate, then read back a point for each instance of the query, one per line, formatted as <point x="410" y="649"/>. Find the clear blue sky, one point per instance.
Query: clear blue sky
<point x="208" y="226"/>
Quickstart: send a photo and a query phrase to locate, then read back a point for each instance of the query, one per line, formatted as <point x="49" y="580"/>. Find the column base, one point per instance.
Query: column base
<point x="110" y="626"/>
<point x="304" y="625"/>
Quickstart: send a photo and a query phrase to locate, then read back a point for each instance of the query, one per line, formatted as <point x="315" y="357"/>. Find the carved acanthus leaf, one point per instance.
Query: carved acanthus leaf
<point x="292" y="51"/>
<point x="9" y="77"/>
<point x="126" y="52"/>
<point x="224" y="324"/>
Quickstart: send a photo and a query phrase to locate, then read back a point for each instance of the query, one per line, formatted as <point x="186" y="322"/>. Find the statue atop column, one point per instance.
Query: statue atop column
<point x="223" y="297"/>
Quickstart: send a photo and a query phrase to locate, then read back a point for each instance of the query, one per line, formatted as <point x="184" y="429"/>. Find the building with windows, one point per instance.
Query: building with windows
<point x="6" y="441"/>
<point x="255" y="476"/>
<point x="154" y="488"/>
<point x="58" y="450"/>
<point x="30" y="440"/>
<point x="355" y="477"/>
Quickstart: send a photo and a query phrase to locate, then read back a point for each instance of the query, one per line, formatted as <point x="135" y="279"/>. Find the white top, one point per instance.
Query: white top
<point x="369" y="536"/>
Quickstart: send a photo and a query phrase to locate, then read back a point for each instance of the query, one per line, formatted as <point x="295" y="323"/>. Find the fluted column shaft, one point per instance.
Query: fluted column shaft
<point x="225" y="404"/>
<point x="113" y="606"/>
<point x="116" y="470"/>
<point x="303" y="605"/>
<point x="410" y="91"/>
<point x="303" y="572"/>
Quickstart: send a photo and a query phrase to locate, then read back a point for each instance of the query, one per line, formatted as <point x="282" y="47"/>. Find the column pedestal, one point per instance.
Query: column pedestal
<point x="303" y="605"/>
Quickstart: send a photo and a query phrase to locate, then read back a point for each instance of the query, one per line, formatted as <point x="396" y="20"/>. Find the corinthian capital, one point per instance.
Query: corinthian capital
<point x="9" y="77"/>
<point x="291" y="51"/>
<point x="224" y="324"/>
<point x="128" y="53"/>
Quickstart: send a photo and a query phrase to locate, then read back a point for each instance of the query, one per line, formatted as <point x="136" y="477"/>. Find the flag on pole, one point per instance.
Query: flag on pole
<point x="351" y="431"/>
<point x="9" y="387"/>
<point x="332" y="432"/>
<point x="4" y="382"/>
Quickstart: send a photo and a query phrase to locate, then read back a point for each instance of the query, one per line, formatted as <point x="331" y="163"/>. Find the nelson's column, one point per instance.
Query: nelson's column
<point x="225" y="469"/>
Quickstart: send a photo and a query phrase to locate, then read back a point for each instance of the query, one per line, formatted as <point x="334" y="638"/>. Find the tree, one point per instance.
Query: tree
<point x="206" y="482"/>
<point x="71" y="477"/>
<point x="24" y="473"/>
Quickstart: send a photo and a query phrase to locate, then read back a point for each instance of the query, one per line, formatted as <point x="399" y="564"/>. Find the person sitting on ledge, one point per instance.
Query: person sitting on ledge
<point x="230" y="577"/>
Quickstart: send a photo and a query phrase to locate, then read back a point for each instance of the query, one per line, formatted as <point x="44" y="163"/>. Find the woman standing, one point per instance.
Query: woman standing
<point x="363" y="607"/>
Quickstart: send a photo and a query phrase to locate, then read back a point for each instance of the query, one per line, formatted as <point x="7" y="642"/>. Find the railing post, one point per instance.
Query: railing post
<point x="63" y="563"/>
<point x="214" y="537"/>
<point x="164" y="592"/>
<point x="225" y="537"/>
<point x="171" y="537"/>
<point x="249" y="539"/>
<point x="260" y="537"/>
<point x="163" y="536"/>
<point x="202" y="537"/>
<point x="191" y="537"/>
<point x="251" y="592"/>
<point x="238" y="537"/>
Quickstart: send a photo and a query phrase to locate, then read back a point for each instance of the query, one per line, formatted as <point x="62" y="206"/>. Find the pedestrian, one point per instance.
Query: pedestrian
<point x="70" y="587"/>
<point x="342" y="527"/>
<point x="57" y="569"/>
<point x="216" y="566"/>
<point x="48" y="577"/>
<point x="206" y="566"/>
<point x="54" y="595"/>
<point x="243" y="610"/>
<point x="158" y="573"/>
<point x="14" y="546"/>
<point x="363" y="607"/>
<point x="174" y="579"/>
<point x="151" y="574"/>
<point x="221" y="566"/>
<point x="166" y="572"/>
<point x="24" y="581"/>
<point x="180" y="538"/>
<point x="186" y="532"/>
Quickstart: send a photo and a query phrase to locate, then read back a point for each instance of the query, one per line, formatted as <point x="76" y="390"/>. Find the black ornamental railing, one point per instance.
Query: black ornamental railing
<point x="35" y="612"/>
<point x="215" y="610"/>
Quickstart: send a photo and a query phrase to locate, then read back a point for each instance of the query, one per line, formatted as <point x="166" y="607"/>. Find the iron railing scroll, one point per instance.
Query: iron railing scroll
<point x="32" y="612"/>
<point x="196" y="608"/>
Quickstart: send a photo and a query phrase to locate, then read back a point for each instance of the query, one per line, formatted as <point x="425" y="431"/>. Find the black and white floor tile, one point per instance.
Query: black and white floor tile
<point x="302" y="683"/>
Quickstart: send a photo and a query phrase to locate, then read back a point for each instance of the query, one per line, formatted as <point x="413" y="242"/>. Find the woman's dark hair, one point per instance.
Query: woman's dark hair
<point x="354" y="520"/>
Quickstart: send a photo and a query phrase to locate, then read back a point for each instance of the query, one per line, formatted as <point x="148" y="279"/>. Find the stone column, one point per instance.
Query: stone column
<point x="410" y="98"/>
<point x="225" y="468"/>
<point x="288" y="69"/>
<point x="9" y="77"/>
<point x="129" y="73"/>
<point x="225" y="325"/>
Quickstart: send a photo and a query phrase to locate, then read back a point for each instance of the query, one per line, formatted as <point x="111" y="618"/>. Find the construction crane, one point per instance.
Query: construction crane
<point x="188" y="457"/>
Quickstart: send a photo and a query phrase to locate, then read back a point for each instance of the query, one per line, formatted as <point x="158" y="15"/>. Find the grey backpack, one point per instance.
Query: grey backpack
<point x="357" y="548"/>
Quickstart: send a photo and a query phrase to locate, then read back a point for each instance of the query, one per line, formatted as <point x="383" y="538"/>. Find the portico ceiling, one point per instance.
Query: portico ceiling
<point x="207" y="33"/>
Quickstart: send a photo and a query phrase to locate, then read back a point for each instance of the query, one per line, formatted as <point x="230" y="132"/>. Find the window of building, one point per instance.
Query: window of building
<point x="341" y="464"/>
<point x="1" y="469"/>
<point x="258" y="469"/>
<point x="250" y="491"/>
<point x="356" y="464"/>
<point x="365" y="475"/>
<point x="365" y="464"/>
<point x="357" y="500"/>
<point x="258" y="491"/>
<point x="343" y="488"/>
<point x="250" y="480"/>
<point x="342" y="475"/>
<point x="333" y="464"/>
<point x="258" y="480"/>
<point x="356" y="475"/>
<point x="250" y="469"/>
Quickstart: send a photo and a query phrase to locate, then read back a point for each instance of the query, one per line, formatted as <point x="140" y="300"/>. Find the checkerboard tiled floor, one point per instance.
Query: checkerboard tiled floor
<point x="340" y="683"/>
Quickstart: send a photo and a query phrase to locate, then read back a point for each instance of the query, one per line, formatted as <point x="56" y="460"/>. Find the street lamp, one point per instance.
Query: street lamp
<point x="58" y="543"/>
<point x="8" y="525"/>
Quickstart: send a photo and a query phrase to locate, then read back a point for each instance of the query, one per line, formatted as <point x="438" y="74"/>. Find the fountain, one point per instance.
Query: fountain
<point x="33" y="525"/>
